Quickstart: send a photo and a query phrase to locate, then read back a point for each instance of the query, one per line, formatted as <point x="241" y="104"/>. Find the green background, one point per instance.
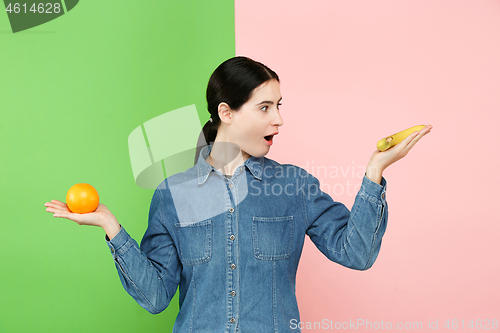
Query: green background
<point x="71" y="91"/>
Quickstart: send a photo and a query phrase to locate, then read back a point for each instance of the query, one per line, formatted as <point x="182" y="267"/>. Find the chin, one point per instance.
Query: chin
<point x="261" y="153"/>
<point x="256" y="150"/>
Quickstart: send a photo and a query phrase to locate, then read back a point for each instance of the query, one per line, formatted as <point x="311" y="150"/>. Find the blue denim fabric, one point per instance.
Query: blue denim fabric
<point x="232" y="246"/>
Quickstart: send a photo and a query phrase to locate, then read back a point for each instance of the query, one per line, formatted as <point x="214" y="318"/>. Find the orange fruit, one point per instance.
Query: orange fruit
<point x="82" y="198"/>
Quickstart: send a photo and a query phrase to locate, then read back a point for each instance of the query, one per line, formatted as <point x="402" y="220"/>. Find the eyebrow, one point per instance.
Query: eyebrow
<point x="269" y="102"/>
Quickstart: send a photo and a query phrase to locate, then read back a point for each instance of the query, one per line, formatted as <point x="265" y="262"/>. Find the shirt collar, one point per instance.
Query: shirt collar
<point x="254" y="164"/>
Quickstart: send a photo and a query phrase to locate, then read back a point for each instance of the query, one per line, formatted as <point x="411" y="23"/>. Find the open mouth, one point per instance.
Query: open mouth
<point x="268" y="138"/>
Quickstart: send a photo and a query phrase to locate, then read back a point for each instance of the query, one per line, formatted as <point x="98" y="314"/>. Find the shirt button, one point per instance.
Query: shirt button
<point x="232" y="320"/>
<point x="230" y="185"/>
<point x="233" y="293"/>
<point x="383" y="195"/>
<point x="232" y="237"/>
<point x="233" y="266"/>
<point x="231" y="209"/>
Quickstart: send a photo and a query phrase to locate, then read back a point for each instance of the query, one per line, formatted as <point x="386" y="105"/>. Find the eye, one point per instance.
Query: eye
<point x="278" y="106"/>
<point x="264" y="108"/>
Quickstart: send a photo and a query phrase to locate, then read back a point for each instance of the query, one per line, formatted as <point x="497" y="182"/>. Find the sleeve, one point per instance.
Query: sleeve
<point x="349" y="238"/>
<point x="151" y="273"/>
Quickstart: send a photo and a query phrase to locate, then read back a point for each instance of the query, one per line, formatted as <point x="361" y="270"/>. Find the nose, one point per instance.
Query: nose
<point x="277" y="120"/>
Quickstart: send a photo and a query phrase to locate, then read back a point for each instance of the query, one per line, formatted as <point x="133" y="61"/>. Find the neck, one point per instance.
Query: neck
<point x="226" y="157"/>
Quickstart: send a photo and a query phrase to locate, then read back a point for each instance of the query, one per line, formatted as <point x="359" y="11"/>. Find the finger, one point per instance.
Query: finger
<point x="70" y="216"/>
<point x="426" y="130"/>
<point x="56" y="210"/>
<point x="401" y="149"/>
<point x="410" y="145"/>
<point x="59" y="213"/>
<point x="57" y="204"/>
<point x="415" y="139"/>
<point x="63" y="215"/>
<point x="403" y="144"/>
<point x="101" y="208"/>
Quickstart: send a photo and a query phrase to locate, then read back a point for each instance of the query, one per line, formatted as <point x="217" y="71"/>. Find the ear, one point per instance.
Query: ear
<point x="225" y="113"/>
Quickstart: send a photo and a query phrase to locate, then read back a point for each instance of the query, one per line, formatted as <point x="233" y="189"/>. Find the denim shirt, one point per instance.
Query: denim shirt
<point x="232" y="246"/>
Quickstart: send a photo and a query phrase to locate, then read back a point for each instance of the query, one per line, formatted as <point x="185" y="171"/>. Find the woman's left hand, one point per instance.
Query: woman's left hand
<point x="380" y="160"/>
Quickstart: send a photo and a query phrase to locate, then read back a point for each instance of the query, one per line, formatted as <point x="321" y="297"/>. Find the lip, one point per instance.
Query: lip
<point x="270" y="143"/>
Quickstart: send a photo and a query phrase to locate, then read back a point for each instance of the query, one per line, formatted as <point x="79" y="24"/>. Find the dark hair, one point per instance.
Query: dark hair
<point x="233" y="83"/>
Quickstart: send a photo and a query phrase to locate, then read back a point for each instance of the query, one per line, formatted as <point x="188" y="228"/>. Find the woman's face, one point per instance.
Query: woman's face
<point x="256" y="122"/>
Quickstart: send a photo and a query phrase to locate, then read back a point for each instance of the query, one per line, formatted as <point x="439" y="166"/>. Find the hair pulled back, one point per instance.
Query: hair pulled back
<point x="233" y="83"/>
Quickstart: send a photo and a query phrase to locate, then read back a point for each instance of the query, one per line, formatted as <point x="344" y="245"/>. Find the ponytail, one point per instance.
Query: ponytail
<point x="207" y="137"/>
<point x="210" y="131"/>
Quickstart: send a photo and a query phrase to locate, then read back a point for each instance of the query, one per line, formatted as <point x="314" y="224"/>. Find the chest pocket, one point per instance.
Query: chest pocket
<point x="195" y="242"/>
<point x="272" y="237"/>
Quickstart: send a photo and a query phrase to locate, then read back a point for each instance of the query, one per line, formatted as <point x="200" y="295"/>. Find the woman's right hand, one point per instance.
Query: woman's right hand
<point x="101" y="217"/>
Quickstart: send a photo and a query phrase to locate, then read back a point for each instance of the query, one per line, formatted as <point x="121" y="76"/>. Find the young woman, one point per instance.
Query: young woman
<point x="229" y="231"/>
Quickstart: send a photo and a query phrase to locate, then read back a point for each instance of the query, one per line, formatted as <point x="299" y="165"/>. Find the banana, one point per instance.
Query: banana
<point x="394" y="139"/>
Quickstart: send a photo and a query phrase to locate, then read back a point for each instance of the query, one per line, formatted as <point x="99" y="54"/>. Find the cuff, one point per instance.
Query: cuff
<point x="117" y="244"/>
<point x="373" y="191"/>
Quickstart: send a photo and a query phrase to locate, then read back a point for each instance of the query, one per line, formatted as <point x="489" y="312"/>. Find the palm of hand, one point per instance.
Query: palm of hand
<point x="96" y="218"/>
<point x="382" y="159"/>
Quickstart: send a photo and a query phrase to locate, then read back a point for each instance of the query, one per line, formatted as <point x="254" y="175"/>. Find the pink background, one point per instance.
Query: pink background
<point x="355" y="71"/>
